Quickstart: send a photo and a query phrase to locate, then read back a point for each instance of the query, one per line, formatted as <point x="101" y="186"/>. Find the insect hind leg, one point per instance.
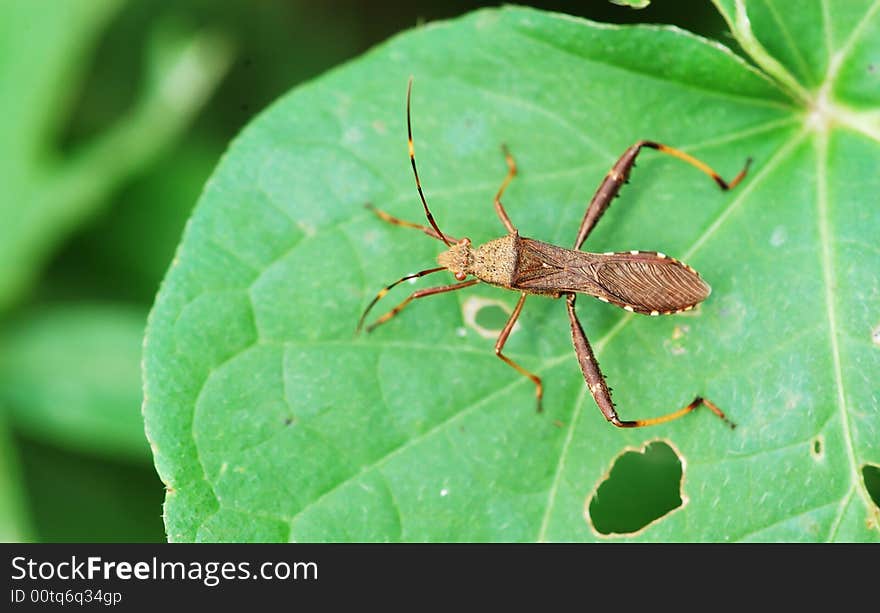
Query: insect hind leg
<point x="619" y="174"/>
<point x="602" y="394"/>
<point x="653" y="421"/>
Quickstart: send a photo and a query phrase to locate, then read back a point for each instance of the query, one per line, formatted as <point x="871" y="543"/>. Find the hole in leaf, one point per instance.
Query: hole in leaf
<point x="871" y="475"/>
<point x="641" y="487"/>
<point x="487" y="317"/>
<point x="875" y="335"/>
<point x="817" y="447"/>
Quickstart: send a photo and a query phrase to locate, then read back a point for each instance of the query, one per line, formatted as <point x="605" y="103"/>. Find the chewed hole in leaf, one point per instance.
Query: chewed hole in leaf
<point x="818" y="448"/>
<point x="871" y="475"/>
<point x="486" y="317"/>
<point x="641" y="487"/>
<point x="875" y="336"/>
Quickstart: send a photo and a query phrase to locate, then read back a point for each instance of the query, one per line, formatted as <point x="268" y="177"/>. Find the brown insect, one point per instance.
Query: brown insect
<point x="643" y="282"/>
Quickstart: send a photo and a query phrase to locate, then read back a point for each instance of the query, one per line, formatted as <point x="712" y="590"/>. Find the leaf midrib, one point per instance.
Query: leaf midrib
<point x="830" y="281"/>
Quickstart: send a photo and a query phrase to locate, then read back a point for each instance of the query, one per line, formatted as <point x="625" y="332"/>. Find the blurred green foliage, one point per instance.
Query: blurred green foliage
<point x="115" y="113"/>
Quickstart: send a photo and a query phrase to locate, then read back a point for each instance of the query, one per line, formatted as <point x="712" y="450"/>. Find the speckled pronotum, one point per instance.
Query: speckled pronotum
<point x="645" y="282"/>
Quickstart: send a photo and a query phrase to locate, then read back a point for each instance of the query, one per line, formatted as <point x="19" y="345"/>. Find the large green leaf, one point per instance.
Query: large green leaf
<point x="270" y="421"/>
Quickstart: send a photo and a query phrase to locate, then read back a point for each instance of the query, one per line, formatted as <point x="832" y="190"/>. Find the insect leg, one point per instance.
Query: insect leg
<point x="599" y="389"/>
<point x="420" y="294"/>
<point x="502" y="339"/>
<point x="406" y="224"/>
<point x="511" y="172"/>
<point x="619" y="174"/>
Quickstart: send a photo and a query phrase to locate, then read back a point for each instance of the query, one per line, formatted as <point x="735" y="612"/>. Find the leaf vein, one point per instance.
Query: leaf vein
<point x="830" y="280"/>
<point x="560" y="465"/>
<point x="799" y="57"/>
<point x="841" y="511"/>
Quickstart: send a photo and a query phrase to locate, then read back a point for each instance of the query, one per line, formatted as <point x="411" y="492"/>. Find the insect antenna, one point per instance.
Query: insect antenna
<point x="388" y="288"/>
<point x="412" y="158"/>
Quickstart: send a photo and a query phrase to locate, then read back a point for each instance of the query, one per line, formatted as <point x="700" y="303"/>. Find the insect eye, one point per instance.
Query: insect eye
<point x="461" y="276"/>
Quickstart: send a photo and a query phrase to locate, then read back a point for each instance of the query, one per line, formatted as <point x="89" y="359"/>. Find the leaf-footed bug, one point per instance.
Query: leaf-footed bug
<point x="645" y="282"/>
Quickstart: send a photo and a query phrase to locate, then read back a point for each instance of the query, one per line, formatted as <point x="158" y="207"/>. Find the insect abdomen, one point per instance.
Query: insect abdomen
<point x="639" y="281"/>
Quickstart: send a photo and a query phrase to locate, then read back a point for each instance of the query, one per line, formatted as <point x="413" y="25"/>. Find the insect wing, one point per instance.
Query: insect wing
<point x="648" y="282"/>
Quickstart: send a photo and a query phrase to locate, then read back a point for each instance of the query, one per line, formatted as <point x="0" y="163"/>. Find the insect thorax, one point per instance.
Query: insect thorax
<point x="494" y="262"/>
